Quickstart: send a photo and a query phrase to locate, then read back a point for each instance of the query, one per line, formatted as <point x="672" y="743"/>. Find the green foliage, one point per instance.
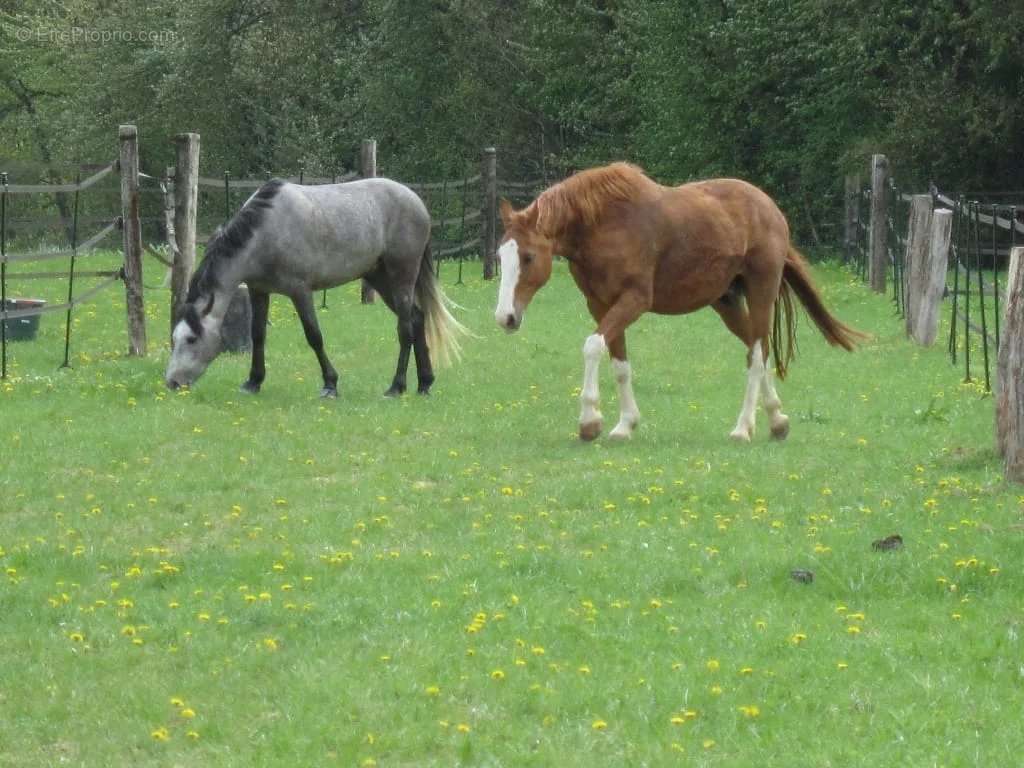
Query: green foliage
<point x="791" y="94"/>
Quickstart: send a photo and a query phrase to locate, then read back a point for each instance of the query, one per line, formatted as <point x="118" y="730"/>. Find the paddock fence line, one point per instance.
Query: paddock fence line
<point x="970" y="272"/>
<point x="17" y="311"/>
<point x="161" y="213"/>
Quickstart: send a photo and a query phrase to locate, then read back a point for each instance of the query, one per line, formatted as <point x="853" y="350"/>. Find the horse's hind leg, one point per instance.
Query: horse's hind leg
<point x="307" y="314"/>
<point x="773" y="406"/>
<point x="761" y="290"/>
<point x="257" y="371"/>
<point x="424" y="368"/>
<point x="403" y="309"/>
<point x="737" y="319"/>
<point x="399" y="302"/>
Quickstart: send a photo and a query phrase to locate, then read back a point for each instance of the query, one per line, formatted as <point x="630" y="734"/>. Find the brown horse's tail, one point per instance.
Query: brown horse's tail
<point x="797" y="278"/>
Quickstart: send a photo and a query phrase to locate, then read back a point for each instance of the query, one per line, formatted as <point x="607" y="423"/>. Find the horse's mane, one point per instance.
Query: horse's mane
<point x="583" y="197"/>
<point x="231" y="238"/>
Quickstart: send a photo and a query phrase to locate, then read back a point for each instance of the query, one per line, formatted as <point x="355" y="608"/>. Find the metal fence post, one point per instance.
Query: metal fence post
<point x="71" y="273"/>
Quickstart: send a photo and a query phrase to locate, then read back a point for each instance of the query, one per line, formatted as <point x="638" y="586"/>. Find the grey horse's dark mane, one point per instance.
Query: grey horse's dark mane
<point x="230" y="239"/>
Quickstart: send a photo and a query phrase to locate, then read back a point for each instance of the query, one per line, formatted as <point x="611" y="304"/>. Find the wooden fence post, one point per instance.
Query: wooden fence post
<point x="929" y="281"/>
<point x="128" y="161"/>
<point x="878" y="257"/>
<point x="186" y="203"/>
<point x="1010" y="375"/>
<point x="851" y="207"/>
<point x="368" y="169"/>
<point x="490" y="209"/>
<point x="167" y="189"/>
<point x="918" y="238"/>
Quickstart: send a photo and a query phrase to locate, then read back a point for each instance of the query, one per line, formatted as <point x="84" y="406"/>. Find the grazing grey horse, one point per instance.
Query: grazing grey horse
<point x="295" y="240"/>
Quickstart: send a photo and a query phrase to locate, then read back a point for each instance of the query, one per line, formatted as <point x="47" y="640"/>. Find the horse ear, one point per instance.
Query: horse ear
<point x="209" y="307"/>
<point x="505" y="208"/>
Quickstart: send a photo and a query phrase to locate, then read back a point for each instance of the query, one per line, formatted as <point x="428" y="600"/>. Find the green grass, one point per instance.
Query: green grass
<point x="342" y="582"/>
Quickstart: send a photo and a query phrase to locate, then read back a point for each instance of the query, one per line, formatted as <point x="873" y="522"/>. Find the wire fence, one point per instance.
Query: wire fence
<point x="74" y="220"/>
<point x="984" y="234"/>
<point x="21" y="246"/>
<point x="455" y="205"/>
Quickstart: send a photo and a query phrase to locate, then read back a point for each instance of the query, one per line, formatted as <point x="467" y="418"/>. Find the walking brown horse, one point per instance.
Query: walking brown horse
<point x="634" y="246"/>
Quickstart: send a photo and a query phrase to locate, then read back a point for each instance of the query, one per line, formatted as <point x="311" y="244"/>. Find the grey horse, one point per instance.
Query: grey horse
<point x="294" y="240"/>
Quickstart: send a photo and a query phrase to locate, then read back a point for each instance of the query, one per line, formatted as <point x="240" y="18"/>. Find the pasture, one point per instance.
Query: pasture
<point x="210" y="578"/>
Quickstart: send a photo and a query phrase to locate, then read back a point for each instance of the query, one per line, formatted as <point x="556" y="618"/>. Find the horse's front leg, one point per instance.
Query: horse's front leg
<point x="303" y="302"/>
<point x="257" y="371"/>
<point x="612" y="325"/>
<point x="629" y="413"/>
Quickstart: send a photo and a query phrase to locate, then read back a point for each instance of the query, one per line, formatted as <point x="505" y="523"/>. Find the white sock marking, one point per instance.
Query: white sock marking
<point x="629" y="413"/>
<point x="744" y="429"/>
<point x="590" y="398"/>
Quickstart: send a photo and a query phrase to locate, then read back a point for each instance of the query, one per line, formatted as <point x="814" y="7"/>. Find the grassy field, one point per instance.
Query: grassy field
<point x="212" y="579"/>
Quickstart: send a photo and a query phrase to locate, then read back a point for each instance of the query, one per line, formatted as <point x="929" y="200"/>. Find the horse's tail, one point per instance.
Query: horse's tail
<point x="443" y="330"/>
<point x="796" y="277"/>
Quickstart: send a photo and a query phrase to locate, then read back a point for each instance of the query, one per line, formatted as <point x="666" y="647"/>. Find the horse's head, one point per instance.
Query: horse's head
<point x="525" y="255"/>
<point x="195" y="341"/>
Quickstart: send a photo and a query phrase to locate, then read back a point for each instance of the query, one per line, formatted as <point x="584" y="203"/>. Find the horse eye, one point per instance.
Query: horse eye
<point x="527" y="258"/>
<point x="191" y="339"/>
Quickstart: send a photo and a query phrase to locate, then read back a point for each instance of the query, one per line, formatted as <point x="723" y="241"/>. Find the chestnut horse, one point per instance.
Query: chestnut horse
<point x="634" y="246"/>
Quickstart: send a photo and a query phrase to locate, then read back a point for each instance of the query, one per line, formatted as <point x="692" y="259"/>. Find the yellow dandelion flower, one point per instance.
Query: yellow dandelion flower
<point x="853" y="629"/>
<point x="76" y="637"/>
<point x="583" y="669"/>
<point x="462" y="728"/>
<point x="194" y="735"/>
<point x="160" y="734"/>
<point x="708" y="743"/>
<point x="599" y="725"/>
<point x="432" y="690"/>
<point x="177" y="701"/>
<point x="713" y="665"/>
<point x="751" y="710"/>
<point x="842" y="665"/>
<point x="715" y="690"/>
<point x="497" y="675"/>
<point x="270" y="643"/>
<point x="677" y="720"/>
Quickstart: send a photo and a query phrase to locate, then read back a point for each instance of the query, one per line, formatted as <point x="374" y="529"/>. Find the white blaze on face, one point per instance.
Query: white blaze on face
<point x="509" y="255"/>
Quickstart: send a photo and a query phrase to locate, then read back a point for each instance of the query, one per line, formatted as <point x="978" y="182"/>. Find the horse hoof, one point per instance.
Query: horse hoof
<point x="394" y="391"/>
<point x="740" y="435"/>
<point x="250" y="387"/>
<point x="329" y="392"/>
<point x="590" y="430"/>
<point x="623" y="431"/>
<point x="423" y="390"/>
<point x="780" y="429"/>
